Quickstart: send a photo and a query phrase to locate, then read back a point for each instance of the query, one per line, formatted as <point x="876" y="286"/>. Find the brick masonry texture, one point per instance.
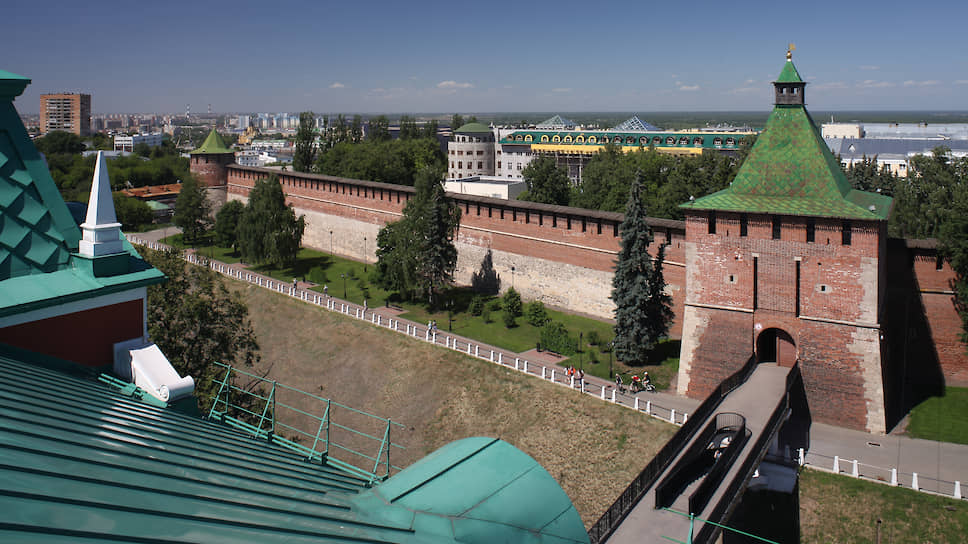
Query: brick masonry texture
<point x="565" y="257"/>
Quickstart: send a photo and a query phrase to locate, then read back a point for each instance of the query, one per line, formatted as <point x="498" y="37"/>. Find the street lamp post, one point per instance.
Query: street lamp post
<point x="512" y="277"/>
<point x="450" y="315"/>
<point x="364" y="253"/>
<point x="344" y="285"/>
<point x="611" y="348"/>
<point x="581" y="366"/>
<point x="330" y="242"/>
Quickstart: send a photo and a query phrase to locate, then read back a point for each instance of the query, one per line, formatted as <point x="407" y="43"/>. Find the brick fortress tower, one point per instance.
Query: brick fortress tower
<point x="788" y="263"/>
<point x="208" y="164"/>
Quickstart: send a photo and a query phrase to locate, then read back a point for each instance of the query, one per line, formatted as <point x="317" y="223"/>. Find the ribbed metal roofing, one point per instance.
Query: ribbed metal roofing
<point x="82" y="461"/>
<point x="213" y="145"/>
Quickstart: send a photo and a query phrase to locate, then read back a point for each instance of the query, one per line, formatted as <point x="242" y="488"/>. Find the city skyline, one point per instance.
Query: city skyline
<point x="438" y="57"/>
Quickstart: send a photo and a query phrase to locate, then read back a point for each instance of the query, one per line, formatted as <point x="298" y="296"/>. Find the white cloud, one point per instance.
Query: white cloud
<point x="378" y="90"/>
<point x="337" y="85"/>
<point x="451" y="84"/>
<point x="874" y="84"/>
<point x="687" y="87"/>
<point x="744" y="90"/>
<point x="561" y="90"/>
<point x="869" y="67"/>
<point x="926" y="83"/>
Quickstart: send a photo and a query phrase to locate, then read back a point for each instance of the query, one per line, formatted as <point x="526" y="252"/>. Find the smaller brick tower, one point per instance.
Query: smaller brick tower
<point x="788" y="263"/>
<point x="208" y="164"/>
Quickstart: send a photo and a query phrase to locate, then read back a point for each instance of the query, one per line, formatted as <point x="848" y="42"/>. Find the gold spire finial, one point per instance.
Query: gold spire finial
<point x="790" y="51"/>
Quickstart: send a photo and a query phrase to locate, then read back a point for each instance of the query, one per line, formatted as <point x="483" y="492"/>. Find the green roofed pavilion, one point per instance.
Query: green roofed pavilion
<point x="791" y="171"/>
<point x="213" y="145"/>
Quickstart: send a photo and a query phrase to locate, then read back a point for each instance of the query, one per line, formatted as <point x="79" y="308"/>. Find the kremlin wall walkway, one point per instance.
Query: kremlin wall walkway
<point x="934" y="467"/>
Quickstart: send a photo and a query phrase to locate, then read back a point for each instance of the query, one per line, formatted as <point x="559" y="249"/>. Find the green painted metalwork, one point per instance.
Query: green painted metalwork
<point x="693" y="519"/>
<point x="256" y="413"/>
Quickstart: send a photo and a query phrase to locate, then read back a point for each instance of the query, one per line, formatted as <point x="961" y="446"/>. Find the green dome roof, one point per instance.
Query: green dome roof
<point x="473" y="128"/>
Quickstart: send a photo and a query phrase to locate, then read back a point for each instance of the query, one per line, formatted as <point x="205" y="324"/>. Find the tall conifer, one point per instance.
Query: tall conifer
<point x="643" y="310"/>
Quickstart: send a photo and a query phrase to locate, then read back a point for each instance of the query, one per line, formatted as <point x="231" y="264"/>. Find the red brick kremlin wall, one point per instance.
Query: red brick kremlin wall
<point x="565" y="255"/>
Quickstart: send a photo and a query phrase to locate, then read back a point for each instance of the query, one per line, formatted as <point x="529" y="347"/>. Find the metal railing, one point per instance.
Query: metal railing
<point x="632" y="494"/>
<point x="322" y="430"/>
<point x="735" y="424"/>
<point x="730" y="497"/>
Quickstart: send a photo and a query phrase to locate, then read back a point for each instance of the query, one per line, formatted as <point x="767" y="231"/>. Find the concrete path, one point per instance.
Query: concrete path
<point x="755" y="400"/>
<point x="938" y="465"/>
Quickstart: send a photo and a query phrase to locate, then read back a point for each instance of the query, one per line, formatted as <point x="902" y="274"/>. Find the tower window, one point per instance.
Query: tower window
<point x="811" y="230"/>
<point x="712" y="222"/>
<point x="776" y="227"/>
<point x="743" y="222"/>
<point x="845" y="233"/>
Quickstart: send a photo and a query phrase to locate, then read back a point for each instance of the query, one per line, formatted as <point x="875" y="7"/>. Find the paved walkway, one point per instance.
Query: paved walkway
<point x="755" y="400"/>
<point x="938" y="465"/>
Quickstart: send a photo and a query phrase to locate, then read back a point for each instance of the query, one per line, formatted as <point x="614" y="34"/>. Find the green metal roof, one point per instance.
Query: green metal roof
<point x="660" y="139"/>
<point x="84" y="461"/>
<point x="791" y="171"/>
<point x="473" y="128"/>
<point x="38" y="235"/>
<point x="789" y="74"/>
<point x="213" y="144"/>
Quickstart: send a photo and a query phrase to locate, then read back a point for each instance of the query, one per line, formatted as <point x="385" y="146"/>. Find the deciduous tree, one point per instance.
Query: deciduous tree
<point x="269" y="231"/>
<point x="227" y="224"/>
<point x="192" y="211"/>
<point x="304" y="155"/>
<point x="547" y="183"/>
<point x="196" y="322"/>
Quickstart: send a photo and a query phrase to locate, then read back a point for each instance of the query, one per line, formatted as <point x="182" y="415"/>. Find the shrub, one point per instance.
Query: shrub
<point x="512" y="302"/>
<point x="486" y="314"/>
<point x="555" y="337"/>
<point x="537" y="314"/>
<point x="495" y="305"/>
<point x="477" y="305"/>
<point x="593" y="338"/>
<point x="317" y="275"/>
<point x="509" y="319"/>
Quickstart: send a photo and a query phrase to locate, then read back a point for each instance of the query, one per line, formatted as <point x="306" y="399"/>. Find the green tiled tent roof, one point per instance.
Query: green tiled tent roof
<point x="791" y="171"/>
<point x="789" y="74"/>
<point x="83" y="461"/>
<point x="213" y="144"/>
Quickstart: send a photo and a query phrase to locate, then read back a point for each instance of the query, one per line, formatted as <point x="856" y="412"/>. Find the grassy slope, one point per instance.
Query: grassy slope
<point x="592" y="448"/>
<point x="841" y="509"/>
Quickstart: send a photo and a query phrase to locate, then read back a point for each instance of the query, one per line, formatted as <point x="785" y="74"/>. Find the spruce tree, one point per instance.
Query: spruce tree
<point x="643" y="310"/>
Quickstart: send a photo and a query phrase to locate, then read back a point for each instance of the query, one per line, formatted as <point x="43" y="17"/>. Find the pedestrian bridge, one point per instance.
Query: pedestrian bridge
<point x="706" y="466"/>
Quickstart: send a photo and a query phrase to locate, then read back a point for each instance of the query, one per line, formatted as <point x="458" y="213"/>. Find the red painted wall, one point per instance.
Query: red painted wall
<point x="86" y="337"/>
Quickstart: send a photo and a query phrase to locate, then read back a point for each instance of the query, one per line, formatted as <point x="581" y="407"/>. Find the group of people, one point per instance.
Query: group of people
<point x="577" y="374"/>
<point x="636" y="383"/>
<point x="432" y="326"/>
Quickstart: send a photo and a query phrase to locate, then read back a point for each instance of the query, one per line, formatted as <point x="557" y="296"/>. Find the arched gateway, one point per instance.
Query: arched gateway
<point x="776" y="346"/>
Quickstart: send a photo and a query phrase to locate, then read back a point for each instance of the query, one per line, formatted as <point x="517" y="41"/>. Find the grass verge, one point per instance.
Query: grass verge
<point x="841" y="509"/>
<point x="942" y="418"/>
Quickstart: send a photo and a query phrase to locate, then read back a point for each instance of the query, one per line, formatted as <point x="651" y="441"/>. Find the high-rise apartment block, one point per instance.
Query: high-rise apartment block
<point x="69" y="112"/>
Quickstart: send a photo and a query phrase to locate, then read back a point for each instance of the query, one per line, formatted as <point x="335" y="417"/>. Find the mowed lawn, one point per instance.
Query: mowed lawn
<point x="845" y="510"/>
<point x="942" y="418"/>
<point x="591" y="447"/>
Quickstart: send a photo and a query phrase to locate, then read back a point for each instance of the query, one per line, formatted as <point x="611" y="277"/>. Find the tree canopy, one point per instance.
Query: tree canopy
<point x="227" y="224"/>
<point x="385" y="161"/>
<point x="304" y="154"/>
<point x="59" y="142"/>
<point x="416" y="255"/>
<point x="547" y="182"/>
<point x="269" y="231"/>
<point x="192" y="211"/>
<point x="196" y="322"/>
<point x="643" y="311"/>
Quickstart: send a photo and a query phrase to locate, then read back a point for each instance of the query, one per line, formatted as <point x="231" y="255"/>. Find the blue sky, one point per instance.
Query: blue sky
<point x="428" y="56"/>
